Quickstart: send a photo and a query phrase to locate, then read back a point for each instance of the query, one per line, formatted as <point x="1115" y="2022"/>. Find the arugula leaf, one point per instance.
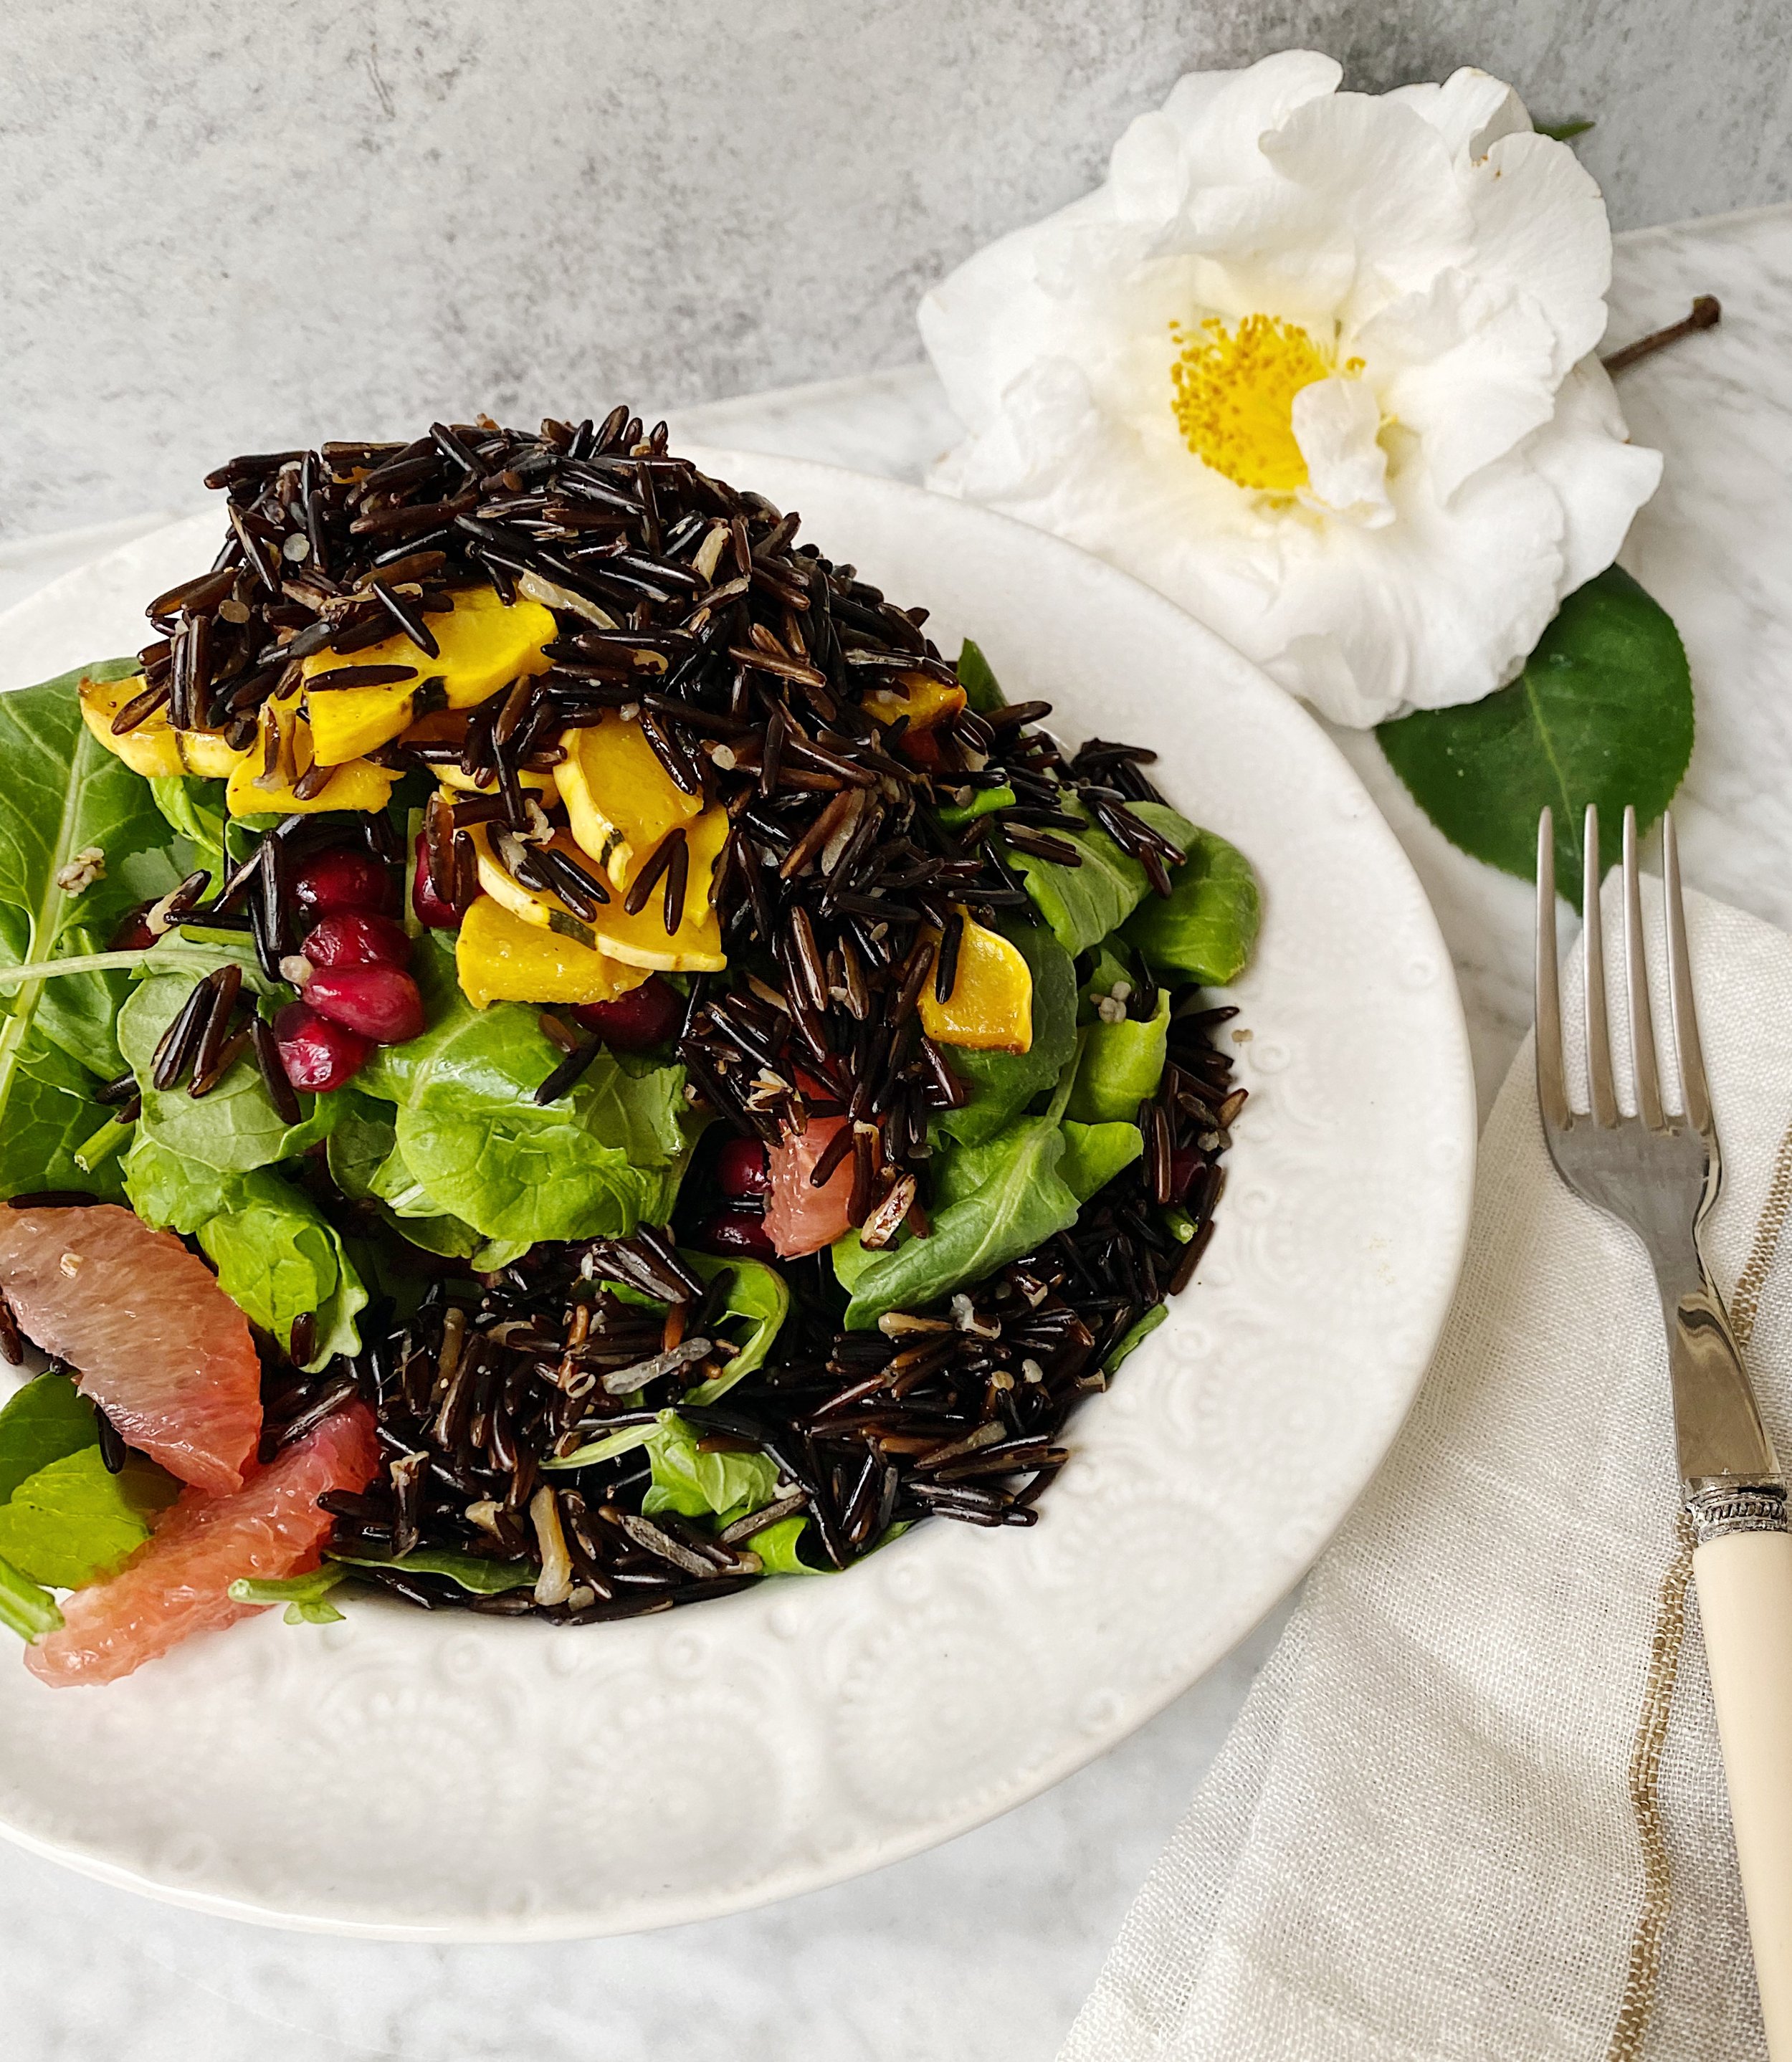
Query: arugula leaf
<point x="479" y="1576"/>
<point x="978" y="682"/>
<point x="1093" y="1153"/>
<point x="755" y="1293"/>
<point x="777" y="1547"/>
<point x="48" y="1113"/>
<point x="1083" y="904"/>
<point x="46" y="1420"/>
<point x="277" y="1255"/>
<point x="1001" y="1200"/>
<point x="306" y="1596"/>
<point x="1122" y="1064"/>
<point x="235" y="1128"/>
<point x="600" y="1160"/>
<point x="1135" y="1335"/>
<point x="64" y="793"/>
<point x="1207" y="926"/>
<point x="24" y="1608"/>
<point x="72" y="1522"/>
<point x="1002" y="1084"/>
<point x="1602" y="712"/>
<point x="193" y="809"/>
<point x="699" y="1484"/>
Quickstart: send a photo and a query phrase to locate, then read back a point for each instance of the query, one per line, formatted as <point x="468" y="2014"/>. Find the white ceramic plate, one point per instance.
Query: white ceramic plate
<point x="460" y="1778"/>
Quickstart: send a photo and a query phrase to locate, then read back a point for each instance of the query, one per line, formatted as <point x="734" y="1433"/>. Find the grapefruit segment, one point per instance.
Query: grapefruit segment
<point x="154" y="1340"/>
<point x="801" y="1218"/>
<point x="178" y="1582"/>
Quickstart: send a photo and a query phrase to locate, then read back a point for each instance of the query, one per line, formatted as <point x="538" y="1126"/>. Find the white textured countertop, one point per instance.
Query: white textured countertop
<point x="986" y="1947"/>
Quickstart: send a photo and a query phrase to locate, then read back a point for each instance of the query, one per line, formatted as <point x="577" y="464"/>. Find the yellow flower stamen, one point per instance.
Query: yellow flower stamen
<point x="1234" y="399"/>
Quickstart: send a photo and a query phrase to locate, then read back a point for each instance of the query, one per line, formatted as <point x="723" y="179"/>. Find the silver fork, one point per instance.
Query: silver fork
<point x="1659" y="1173"/>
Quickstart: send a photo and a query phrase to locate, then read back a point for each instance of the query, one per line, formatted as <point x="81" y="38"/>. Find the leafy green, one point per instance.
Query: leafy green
<point x="754" y="1292"/>
<point x="607" y="1448"/>
<point x="365" y="1163"/>
<point x="277" y="1257"/>
<point x="72" y="1521"/>
<point x="1002" y="1084"/>
<point x="1093" y="1153"/>
<point x="48" y="1114"/>
<point x="601" y="1159"/>
<point x="235" y="1128"/>
<point x="1134" y="1335"/>
<point x="1122" y="1065"/>
<point x="306" y="1596"/>
<point x="1602" y="712"/>
<point x="776" y="1548"/>
<point x="1000" y="1200"/>
<point x="983" y="801"/>
<point x="64" y="793"/>
<point x="1206" y="927"/>
<point x="477" y="1574"/>
<point x="977" y="681"/>
<point x="1083" y="904"/>
<point x="194" y="809"/>
<point x="24" y="1608"/>
<point x="43" y="1422"/>
<point x="699" y="1484"/>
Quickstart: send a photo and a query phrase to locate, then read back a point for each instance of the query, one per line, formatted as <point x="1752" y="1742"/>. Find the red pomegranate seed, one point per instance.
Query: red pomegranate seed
<point x="317" y="1054"/>
<point x="381" y="1002"/>
<point x="350" y="939"/>
<point x="439" y="915"/>
<point x="341" y="878"/>
<point x="646" y="1016"/>
<point x="735" y="1231"/>
<point x="742" y="1170"/>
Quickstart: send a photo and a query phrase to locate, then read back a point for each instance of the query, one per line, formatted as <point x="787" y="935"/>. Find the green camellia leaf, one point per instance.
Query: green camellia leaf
<point x="1602" y="712"/>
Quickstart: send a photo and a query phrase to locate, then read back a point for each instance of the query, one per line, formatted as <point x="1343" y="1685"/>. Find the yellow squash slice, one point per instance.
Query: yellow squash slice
<point x="153" y="748"/>
<point x="638" y="941"/>
<point x="485" y="644"/>
<point x="357" y="785"/>
<point x="502" y="957"/>
<point x="991" y="1007"/>
<point x="924" y="700"/>
<point x="620" y="800"/>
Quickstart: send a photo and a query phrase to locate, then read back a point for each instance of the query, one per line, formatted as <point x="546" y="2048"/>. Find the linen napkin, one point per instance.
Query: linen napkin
<point x="1474" y="1807"/>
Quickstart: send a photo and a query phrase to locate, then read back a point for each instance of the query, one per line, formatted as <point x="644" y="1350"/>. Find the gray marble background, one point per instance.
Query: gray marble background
<point x="227" y="226"/>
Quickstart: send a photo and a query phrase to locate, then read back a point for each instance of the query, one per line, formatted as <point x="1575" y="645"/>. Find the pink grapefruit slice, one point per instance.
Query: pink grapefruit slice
<point x="152" y="1339"/>
<point x="178" y="1582"/>
<point x="801" y="1218"/>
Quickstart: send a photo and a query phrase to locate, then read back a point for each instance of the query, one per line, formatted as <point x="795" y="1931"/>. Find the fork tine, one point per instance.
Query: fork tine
<point x="1695" y="1097"/>
<point x="1551" y="1085"/>
<point x="1636" y="968"/>
<point x="1593" y="946"/>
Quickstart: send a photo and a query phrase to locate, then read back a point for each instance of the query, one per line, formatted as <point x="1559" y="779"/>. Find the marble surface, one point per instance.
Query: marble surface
<point x="987" y="1945"/>
<point x="224" y="225"/>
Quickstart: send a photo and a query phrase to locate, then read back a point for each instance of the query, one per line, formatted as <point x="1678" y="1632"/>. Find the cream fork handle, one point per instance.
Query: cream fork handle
<point x="1745" y="1602"/>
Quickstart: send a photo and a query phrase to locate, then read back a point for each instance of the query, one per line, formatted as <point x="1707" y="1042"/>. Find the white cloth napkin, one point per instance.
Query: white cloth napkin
<point x="1474" y="1807"/>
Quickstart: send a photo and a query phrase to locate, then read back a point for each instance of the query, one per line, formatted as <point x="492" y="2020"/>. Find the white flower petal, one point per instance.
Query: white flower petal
<point x="1540" y="226"/>
<point x="1600" y="481"/>
<point x="1471" y="111"/>
<point x="1336" y="423"/>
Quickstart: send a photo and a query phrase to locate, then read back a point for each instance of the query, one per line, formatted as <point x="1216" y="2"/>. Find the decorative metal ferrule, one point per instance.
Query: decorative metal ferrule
<point x="1717" y="1509"/>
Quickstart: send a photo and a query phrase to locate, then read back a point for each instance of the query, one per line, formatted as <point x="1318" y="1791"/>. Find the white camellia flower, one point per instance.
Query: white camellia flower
<point x="1317" y="365"/>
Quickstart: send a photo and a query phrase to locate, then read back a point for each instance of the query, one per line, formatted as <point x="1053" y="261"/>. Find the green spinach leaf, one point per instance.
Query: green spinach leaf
<point x="49" y="1115"/>
<point x="1093" y="1153"/>
<point x="698" y="1484"/>
<point x="978" y="682"/>
<point x="1602" y="712"/>
<point x="277" y="1257"/>
<point x="755" y="1292"/>
<point x="477" y="1575"/>
<point x="1084" y="903"/>
<point x="1002" y="1084"/>
<point x="72" y="1521"/>
<point x="46" y="1420"/>
<point x="1206" y="928"/>
<point x="1122" y="1064"/>
<point x="1000" y="1200"/>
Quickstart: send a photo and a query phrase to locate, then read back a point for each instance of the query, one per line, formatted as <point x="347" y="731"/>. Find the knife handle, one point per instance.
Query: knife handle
<point x="1745" y="1602"/>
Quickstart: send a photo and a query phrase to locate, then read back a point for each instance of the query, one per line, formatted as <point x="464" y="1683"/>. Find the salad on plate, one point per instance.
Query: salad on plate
<point x="560" y="1059"/>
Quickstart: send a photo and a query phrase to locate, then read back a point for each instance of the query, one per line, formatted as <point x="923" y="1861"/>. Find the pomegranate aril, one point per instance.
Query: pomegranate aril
<point x="381" y="1002"/>
<point x="431" y="909"/>
<point x="342" y="876"/>
<point x="317" y="1054"/>
<point x="1185" y="1163"/>
<point x="735" y="1231"/>
<point x="646" y="1016"/>
<point x="742" y="1170"/>
<point x="352" y="939"/>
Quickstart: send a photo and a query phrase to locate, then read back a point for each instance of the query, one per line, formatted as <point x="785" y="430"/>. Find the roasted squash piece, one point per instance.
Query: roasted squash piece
<point x="153" y="748"/>
<point x="501" y="957"/>
<point x="989" y="1009"/>
<point x="357" y="785"/>
<point x="924" y="700"/>
<point x="620" y="800"/>
<point x="485" y="644"/>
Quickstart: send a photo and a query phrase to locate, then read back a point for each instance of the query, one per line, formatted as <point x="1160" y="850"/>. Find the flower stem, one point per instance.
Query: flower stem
<point x="1706" y="314"/>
